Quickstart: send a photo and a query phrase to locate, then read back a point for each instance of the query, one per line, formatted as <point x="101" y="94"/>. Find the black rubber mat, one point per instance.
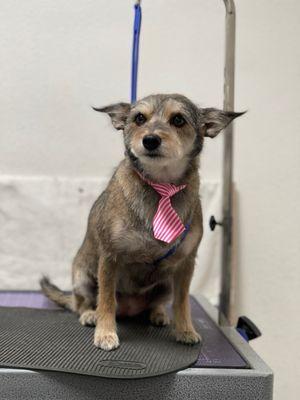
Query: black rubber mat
<point x="54" y="340"/>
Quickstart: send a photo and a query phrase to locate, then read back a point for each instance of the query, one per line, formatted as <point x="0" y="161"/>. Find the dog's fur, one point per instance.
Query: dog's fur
<point x="112" y="271"/>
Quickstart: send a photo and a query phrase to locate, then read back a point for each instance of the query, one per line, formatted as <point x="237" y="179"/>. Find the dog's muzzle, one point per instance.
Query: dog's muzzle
<point x="151" y="142"/>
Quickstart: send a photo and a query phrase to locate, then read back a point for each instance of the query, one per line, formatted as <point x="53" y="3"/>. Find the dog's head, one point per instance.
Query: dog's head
<point x="162" y="131"/>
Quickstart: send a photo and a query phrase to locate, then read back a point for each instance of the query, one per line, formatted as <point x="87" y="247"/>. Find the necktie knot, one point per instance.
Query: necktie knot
<point x="166" y="189"/>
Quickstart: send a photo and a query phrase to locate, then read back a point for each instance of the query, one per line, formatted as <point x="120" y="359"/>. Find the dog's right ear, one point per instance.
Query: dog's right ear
<point x="118" y="113"/>
<point x="216" y="120"/>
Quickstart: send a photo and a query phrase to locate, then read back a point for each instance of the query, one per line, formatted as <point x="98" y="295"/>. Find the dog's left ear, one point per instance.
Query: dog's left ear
<point x="117" y="112"/>
<point x="216" y="120"/>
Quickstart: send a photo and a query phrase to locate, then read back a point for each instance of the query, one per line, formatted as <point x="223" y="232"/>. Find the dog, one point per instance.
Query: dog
<point x="125" y="266"/>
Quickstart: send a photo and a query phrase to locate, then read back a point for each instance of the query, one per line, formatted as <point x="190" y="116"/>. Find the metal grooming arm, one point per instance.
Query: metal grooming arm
<point x="226" y="272"/>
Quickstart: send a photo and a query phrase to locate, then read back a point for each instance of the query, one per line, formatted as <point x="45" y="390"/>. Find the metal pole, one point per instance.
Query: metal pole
<point x="226" y="273"/>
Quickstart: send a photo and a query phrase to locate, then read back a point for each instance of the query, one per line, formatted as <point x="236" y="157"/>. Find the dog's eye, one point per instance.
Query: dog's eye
<point x="178" y="120"/>
<point x="140" y="119"/>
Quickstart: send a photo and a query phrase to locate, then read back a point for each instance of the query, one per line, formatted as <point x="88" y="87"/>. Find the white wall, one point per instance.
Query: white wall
<point x="58" y="58"/>
<point x="267" y="173"/>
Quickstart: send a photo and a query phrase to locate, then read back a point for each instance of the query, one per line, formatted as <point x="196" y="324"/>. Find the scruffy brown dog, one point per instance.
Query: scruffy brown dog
<point x="121" y="269"/>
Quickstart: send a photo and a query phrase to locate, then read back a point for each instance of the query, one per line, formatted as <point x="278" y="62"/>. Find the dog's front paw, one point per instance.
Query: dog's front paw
<point x="187" y="337"/>
<point x="88" y="318"/>
<point x="106" y="340"/>
<point x="159" y="318"/>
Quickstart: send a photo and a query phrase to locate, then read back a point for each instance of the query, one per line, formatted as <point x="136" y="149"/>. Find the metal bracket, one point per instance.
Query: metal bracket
<point x="213" y="223"/>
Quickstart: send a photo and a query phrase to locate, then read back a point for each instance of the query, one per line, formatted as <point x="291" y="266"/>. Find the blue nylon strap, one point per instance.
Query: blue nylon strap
<point x="135" y="50"/>
<point x="174" y="248"/>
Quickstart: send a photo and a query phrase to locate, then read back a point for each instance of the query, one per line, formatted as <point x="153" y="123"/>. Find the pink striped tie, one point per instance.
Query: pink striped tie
<point x="167" y="225"/>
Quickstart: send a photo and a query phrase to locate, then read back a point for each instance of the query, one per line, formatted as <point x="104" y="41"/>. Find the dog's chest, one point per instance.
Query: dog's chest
<point x="140" y="246"/>
<point x="132" y="229"/>
<point x="134" y="244"/>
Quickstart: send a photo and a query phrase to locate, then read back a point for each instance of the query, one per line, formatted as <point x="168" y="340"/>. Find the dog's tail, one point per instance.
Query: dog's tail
<point x="55" y="294"/>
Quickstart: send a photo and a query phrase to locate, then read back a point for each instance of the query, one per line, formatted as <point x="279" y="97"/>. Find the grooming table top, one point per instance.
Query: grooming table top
<point x="217" y="351"/>
<point x="227" y="368"/>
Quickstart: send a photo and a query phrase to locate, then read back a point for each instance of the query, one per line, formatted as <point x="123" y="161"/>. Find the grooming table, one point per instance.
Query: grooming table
<point x="227" y="368"/>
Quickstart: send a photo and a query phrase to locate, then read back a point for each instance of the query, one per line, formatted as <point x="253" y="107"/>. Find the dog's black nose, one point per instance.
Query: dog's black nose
<point x="151" y="142"/>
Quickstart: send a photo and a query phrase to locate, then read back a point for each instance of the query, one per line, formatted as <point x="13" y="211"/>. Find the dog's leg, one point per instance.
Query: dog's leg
<point x="105" y="332"/>
<point x="85" y="304"/>
<point x="86" y="308"/>
<point x="88" y="318"/>
<point x="84" y="283"/>
<point x="158" y="316"/>
<point x="160" y="295"/>
<point x="85" y="300"/>
<point x="184" y="330"/>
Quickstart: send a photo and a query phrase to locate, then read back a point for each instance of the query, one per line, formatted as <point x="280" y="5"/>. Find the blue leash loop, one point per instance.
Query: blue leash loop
<point x="174" y="248"/>
<point x="135" y="49"/>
